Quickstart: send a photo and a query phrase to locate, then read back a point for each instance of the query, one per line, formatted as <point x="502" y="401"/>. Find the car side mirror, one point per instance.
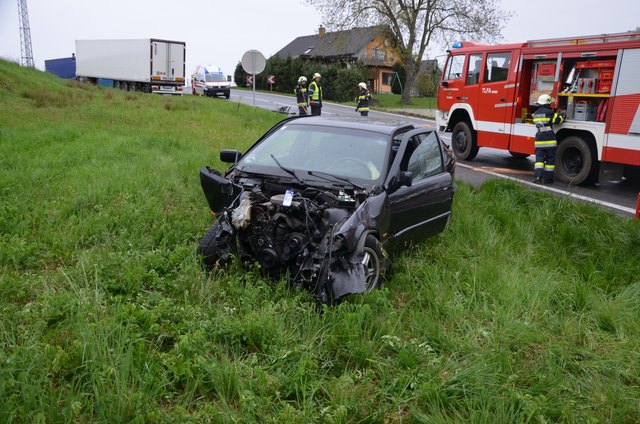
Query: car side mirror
<point x="404" y="178"/>
<point x="230" y="156"/>
<point x="444" y="84"/>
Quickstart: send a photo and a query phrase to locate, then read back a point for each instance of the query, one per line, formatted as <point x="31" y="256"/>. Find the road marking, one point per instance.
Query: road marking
<point x="554" y="190"/>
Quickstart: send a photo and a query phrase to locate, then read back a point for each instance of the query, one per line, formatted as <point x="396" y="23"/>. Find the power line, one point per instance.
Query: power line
<point x="25" y="34"/>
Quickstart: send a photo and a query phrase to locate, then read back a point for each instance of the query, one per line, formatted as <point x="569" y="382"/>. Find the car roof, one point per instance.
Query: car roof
<point x="380" y="125"/>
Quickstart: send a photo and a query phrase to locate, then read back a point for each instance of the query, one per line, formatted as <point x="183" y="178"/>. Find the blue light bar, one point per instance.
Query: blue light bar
<point x="457" y="45"/>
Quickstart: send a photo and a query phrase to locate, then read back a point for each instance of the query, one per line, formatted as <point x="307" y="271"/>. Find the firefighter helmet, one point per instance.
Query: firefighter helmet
<point x="544" y="99"/>
<point x="302" y="79"/>
<point x="362" y="85"/>
<point x="317" y="75"/>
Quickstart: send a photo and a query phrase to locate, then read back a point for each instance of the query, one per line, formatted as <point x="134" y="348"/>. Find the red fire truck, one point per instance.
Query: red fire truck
<point x="488" y="93"/>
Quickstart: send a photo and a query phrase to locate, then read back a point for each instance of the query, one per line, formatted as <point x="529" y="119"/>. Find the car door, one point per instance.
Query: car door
<point x="423" y="209"/>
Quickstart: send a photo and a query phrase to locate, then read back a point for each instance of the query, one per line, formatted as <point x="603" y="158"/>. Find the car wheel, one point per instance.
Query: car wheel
<point x="576" y="162"/>
<point x="227" y="95"/>
<point x="518" y="155"/>
<point x="463" y="142"/>
<point x="215" y="247"/>
<point x="372" y="261"/>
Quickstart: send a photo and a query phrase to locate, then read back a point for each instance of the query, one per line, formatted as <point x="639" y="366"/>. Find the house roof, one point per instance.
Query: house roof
<point x="331" y="44"/>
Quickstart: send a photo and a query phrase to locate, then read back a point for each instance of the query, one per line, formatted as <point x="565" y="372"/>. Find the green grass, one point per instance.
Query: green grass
<point x="527" y="309"/>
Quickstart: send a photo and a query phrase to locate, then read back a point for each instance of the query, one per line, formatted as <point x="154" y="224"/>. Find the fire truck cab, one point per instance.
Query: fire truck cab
<point x="488" y="93"/>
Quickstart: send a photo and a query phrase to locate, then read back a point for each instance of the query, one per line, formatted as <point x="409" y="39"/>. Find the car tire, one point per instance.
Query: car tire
<point x="373" y="263"/>
<point x="576" y="162"/>
<point x="216" y="245"/>
<point x="463" y="141"/>
<point x="227" y="95"/>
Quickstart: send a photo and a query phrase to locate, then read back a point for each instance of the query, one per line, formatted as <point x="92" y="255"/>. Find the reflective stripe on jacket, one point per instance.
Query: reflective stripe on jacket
<point x="315" y="92"/>
<point x="301" y="95"/>
<point x="363" y="100"/>
<point x="544" y="118"/>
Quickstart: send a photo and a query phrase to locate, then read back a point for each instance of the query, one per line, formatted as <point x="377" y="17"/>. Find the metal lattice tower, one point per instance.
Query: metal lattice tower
<point x="25" y="34"/>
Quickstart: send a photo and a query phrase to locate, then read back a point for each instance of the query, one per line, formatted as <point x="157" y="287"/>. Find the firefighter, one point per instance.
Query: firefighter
<point x="545" y="143"/>
<point x="315" y="95"/>
<point x="301" y="96"/>
<point x="363" y="100"/>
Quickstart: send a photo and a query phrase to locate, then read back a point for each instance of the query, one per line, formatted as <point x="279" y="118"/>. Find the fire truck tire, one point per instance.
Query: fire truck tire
<point x="576" y="162"/>
<point x="463" y="141"/>
<point x="518" y="155"/>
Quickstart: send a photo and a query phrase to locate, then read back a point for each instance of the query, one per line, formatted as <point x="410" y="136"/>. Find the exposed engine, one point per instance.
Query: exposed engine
<point x="288" y="232"/>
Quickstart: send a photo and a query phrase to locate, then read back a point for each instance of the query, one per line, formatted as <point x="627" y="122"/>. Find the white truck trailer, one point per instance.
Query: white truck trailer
<point x="150" y="65"/>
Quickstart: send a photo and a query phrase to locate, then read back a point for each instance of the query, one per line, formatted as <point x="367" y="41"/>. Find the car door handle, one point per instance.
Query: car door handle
<point x="503" y="100"/>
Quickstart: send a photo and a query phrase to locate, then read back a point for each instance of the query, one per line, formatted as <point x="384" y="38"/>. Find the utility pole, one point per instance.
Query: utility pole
<point x="25" y="35"/>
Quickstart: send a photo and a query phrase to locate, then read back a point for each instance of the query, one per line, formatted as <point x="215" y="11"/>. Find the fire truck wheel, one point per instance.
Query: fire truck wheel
<point x="518" y="155"/>
<point x="576" y="162"/>
<point x="463" y="141"/>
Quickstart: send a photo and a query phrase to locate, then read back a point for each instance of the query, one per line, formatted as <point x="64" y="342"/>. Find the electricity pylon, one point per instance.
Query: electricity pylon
<point x="25" y="34"/>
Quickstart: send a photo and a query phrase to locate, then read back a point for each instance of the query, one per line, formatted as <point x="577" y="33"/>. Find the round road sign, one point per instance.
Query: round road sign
<point x="253" y="62"/>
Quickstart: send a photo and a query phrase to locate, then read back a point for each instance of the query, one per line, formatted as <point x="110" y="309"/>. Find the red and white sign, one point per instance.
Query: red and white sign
<point x="271" y="79"/>
<point x="250" y="79"/>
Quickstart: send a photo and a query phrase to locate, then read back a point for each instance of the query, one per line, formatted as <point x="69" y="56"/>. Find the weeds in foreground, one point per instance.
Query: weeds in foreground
<point x="525" y="310"/>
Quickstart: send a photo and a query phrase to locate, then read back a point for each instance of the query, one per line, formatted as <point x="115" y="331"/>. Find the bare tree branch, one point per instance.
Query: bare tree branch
<point x="415" y="24"/>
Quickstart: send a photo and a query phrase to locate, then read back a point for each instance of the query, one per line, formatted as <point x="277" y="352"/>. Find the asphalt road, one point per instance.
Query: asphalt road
<point x="620" y="196"/>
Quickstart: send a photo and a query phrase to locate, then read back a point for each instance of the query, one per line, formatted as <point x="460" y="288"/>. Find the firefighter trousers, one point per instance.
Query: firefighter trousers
<point x="545" y="164"/>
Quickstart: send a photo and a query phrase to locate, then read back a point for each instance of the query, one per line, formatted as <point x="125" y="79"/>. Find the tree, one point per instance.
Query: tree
<point x="415" y="24"/>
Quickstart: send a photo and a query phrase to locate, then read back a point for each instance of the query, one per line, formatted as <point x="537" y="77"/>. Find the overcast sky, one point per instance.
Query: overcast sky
<point x="219" y="32"/>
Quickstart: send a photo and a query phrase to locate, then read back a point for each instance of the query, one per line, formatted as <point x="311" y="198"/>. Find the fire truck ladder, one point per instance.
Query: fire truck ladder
<point x="587" y="39"/>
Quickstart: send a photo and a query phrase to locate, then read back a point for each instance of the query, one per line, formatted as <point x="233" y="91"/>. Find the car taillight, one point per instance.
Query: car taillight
<point x="154" y="87"/>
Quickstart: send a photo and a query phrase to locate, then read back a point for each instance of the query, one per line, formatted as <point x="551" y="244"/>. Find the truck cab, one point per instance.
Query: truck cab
<point x="209" y="80"/>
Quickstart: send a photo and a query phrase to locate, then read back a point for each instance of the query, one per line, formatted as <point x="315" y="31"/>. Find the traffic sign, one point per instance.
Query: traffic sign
<point x="250" y="79"/>
<point x="271" y="79"/>
<point x="253" y="62"/>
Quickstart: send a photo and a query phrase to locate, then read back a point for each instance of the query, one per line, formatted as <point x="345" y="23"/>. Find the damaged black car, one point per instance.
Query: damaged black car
<point x="322" y="201"/>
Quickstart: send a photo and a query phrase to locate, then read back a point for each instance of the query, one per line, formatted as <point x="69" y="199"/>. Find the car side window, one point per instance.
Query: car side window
<point x="426" y="158"/>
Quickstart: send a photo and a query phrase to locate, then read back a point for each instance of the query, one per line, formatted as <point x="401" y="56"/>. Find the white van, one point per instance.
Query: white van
<point x="209" y="80"/>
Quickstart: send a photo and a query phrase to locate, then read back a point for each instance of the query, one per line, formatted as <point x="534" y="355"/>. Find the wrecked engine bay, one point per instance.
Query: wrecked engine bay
<point x="311" y="236"/>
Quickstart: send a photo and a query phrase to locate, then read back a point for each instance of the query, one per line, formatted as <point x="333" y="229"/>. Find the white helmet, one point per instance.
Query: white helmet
<point x="544" y="99"/>
<point x="362" y="85"/>
<point x="317" y="75"/>
<point x="302" y="79"/>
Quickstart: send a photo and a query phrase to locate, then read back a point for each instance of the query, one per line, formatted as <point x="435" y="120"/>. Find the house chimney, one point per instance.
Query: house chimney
<point x="322" y="31"/>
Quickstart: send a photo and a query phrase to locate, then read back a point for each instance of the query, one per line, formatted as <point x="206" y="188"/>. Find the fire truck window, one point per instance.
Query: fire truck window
<point x="475" y="65"/>
<point x="454" y="67"/>
<point x="497" y="67"/>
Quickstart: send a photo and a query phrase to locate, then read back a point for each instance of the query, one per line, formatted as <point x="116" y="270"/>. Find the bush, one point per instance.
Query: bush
<point x="427" y="83"/>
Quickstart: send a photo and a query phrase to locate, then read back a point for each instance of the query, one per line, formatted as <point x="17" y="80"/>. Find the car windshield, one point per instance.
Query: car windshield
<point x="215" y="78"/>
<point x="342" y="152"/>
